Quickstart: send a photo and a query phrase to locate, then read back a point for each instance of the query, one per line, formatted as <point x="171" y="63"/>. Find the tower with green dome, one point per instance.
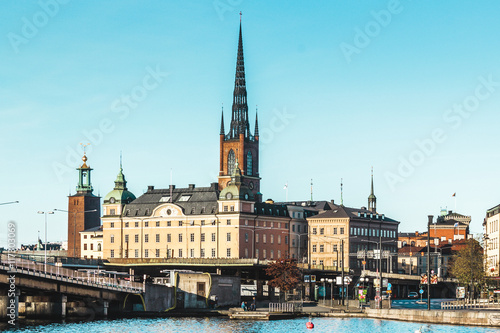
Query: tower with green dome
<point x="115" y="200"/>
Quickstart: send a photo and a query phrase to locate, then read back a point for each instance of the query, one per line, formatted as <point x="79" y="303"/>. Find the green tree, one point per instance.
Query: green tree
<point x="284" y="274"/>
<point x="468" y="266"/>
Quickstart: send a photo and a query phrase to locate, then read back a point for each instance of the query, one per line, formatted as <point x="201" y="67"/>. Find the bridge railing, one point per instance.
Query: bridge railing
<point x="33" y="268"/>
<point x="466" y="304"/>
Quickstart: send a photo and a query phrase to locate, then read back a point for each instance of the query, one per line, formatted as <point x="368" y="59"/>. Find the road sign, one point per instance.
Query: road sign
<point x="389" y="286"/>
<point x="421" y="291"/>
<point x="307" y="278"/>
<point x="313" y="278"/>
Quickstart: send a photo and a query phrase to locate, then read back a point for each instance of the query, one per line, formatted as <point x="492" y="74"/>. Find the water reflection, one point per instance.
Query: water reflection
<point x="224" y="325"/>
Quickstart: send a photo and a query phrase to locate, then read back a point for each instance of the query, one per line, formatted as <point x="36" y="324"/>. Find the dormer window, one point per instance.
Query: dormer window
<point x="185" y="198"/>
<point x="165" y="199"/>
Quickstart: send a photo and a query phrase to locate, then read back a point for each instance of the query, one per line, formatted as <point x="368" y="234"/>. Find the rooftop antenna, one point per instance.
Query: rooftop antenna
<point x="240" y="16"/>
<point x="311" y="190"/>
<point x="171" y="187"/>
<point x="341" y="193"/>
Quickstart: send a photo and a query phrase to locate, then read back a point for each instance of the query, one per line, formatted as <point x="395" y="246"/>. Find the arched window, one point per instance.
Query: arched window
<point x="249" y="163"/>
<point x="230" y="162"/>
<point x="98" y="246"/>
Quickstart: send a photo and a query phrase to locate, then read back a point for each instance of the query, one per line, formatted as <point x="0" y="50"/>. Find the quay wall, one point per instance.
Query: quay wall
<point x="452" y="317"/>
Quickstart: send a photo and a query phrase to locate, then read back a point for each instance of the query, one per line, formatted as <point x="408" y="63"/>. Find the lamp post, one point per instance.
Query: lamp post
<point x="8" y="203"/>
<point x="324" y="290"/>
<point x="45" y="247"/>
<point x="331" y="292"/>
<point x="74" y="224"/>
<point x="430" y="217"/>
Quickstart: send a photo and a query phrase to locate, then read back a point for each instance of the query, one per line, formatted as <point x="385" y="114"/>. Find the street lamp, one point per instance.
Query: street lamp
<point x="324" y="290"/>
<point x="331" y="292"/>
<point x="74" y="224"/>
<point x="8" y="203"/>
<point x="45" y="247"/>
<point x="430" y="218"/>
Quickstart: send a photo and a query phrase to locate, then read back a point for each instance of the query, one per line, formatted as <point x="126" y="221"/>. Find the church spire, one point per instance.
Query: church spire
<point x="222" y="132"/>
<point x="239" y="117"/>
<point x="372" y="199"/>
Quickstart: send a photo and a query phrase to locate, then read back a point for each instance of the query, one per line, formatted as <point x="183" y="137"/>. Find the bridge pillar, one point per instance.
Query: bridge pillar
<point x="105" y="308"/>
<point x="64" y="300"/>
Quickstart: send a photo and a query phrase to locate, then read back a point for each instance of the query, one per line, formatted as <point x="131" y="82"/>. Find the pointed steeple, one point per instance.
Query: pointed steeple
<point x="256" y="122"/>
<point x="372" y="199"/>
<point x="222" y="132"/>
<point x="239" y="117"/>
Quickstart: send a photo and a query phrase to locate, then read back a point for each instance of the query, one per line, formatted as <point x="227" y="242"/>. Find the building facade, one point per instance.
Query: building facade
<point x="91" y="243"/>
<point x="491" y="241"/>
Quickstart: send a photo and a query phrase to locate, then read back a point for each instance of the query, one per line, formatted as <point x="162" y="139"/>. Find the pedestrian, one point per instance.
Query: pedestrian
<point x="243" y="306"/>
<point x="253" y="306"/>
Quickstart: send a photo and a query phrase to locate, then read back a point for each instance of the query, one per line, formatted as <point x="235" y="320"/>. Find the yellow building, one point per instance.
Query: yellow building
<point x="353" y="238"/>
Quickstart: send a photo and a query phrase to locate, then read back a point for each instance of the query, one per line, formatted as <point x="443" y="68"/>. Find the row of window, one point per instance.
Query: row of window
<point x="202" y="238"/>
<point x="322" y="231"/>
<point x="171" y="253"/>
<point x="202" y="223"/>
<point x="92" y="247"/>
<point x="372" y="232"/>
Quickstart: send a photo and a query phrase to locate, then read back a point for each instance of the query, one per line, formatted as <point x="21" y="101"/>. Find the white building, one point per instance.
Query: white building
<point x="91" y="243"/>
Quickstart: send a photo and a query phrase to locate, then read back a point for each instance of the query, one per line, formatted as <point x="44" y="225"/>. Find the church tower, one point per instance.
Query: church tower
<point x="83" y="209"/>
<point x="372" y="199"/>
<point x="239" y="144"/>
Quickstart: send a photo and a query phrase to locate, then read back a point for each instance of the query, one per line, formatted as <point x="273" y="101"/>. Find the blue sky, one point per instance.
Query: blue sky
<point x="411" y="88"/>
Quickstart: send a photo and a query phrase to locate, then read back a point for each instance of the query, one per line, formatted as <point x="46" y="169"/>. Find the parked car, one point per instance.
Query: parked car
<point x="412" y="294"/>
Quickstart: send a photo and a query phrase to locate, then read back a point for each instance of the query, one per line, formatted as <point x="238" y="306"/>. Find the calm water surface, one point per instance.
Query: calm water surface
<point x="220" y="325"/>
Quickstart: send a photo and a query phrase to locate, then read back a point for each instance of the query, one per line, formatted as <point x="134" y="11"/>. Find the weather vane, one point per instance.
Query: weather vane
<point x="84" y="145"/>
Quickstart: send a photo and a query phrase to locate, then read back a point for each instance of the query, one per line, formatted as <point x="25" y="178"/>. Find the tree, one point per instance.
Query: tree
<point x="468" y="266"/>
<point x="285" y="274"/>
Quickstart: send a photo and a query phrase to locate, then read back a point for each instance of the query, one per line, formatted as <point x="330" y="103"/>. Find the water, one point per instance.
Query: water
<point x="224" y="325"/>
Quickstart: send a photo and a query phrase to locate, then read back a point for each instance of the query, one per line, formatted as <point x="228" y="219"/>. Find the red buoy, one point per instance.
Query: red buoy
<point x="309" y="324"/>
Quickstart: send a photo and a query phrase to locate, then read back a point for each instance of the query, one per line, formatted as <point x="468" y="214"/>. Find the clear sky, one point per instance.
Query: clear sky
<point x="411" y="88"/>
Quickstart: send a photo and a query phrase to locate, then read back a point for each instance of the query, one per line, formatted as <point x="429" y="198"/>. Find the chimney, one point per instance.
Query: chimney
<point x="191" y="186"/>
<point x="150" y="188"/>
<point x="171" y="187"/>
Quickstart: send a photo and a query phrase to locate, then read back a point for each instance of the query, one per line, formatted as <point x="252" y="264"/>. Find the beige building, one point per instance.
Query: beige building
<point x="195" y="223"/>
<point x="353" y="237"/>
<point x="491" y="241"/>
<point x="91" y="243"/>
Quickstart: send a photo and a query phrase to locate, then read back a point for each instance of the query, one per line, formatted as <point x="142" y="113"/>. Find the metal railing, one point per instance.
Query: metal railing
<point x="285" y="307"/>
<point x="467" y="304"/>
<point x="97" y="280"/>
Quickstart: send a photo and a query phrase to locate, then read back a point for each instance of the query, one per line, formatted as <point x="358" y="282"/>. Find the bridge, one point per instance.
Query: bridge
<point x="41" y="290"/>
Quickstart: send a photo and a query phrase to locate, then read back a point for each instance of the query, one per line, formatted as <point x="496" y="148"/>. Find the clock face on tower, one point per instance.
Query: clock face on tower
<point x="229" y="196"/>
<point x="246" y="196"/>
<point x="250" y="185"/>
<point x="112" y="200"/>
